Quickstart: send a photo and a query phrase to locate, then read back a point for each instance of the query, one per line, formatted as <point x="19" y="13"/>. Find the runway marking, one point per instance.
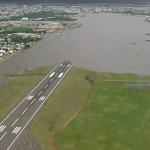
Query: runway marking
<point x="56" y="74"/>
<point x="42" y="98"/>
<point x="30" y="97"/>
<point x="60" y="64"/>
<point x="39" y="108"/>
<point x="33" y="101"/>
<point x="40" y="93"/>
<point x="68" y="65"/>
<point x="24" y="111"/>
<point x="16" y="130"/>
<point x="46" y="86"/>
<point x="2" y="127"/>
<point x="52" y="74"/>
<point x="14" y="122"/>
<point x="63" y="66"/>
<point x="51" y="80"/>
<point x="60" y="75"/>
<point x="60" y="70"/>
<point x="3" y="135"/>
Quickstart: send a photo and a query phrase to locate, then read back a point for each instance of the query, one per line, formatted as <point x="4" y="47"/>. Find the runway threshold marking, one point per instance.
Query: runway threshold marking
<point x="2" y="127"/>
<point x="16" y="130"/>
<point x="42" y="98"/>
<point x="28" y="95"/>
<point x="60" y="75"/>
<point x="3" y="136"/>
<point x="52" y="74"/>
<point x="39" y="108"/>
<point x="24" y="111"/>
<point x="14" y="122"/>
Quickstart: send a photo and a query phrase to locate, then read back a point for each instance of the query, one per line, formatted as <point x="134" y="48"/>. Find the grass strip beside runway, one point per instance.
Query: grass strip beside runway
<point x="70" y="95"/>
<point x="117" y="117"/>
<point x="17" y="88"/>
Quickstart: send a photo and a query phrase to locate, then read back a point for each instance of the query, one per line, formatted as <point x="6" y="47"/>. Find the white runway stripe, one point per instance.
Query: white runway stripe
<point x="30" y="97"/>
<point x="60" y="75"/>
<point x="60" y="64"/>
<point x="42" y="98"/>
<point x="52" y="74"/>
<point x="68" y="65"/>
<point x="16" y="130"/>
<point x="2" y="127"/>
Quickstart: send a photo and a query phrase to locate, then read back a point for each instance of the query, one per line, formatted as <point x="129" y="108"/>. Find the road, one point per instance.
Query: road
<point x="16" y="122"/>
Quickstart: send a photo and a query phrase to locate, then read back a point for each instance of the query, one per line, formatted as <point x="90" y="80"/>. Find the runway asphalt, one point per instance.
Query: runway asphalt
<point x="16" y="122"/>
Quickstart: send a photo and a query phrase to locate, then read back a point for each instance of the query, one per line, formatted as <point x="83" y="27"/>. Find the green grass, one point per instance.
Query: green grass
<point x="68" y="98"/>
<point x="117" y="117"/>
<point x="17" y="88"/>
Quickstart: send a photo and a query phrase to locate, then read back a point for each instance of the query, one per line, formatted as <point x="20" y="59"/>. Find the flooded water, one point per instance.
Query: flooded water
<point x="102" y="43"/>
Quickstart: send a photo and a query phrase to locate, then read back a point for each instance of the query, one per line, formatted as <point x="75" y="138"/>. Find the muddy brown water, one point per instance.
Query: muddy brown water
<point x="103" y="43"/>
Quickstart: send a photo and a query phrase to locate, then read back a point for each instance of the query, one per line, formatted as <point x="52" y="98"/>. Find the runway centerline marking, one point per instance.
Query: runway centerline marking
<point x="60" y="70"/>
<point x="39" y="108"/>
<point x="56" y="74"/>
<point x="60" y="75"/>
<point x="51" y="80"/>
<point x="40" y="93"/>
<point x="52" y="74"/>
<point x="33" y="101"/>
<point x="2" y="127"/>
<point x="16" y="130"/>
<point x="14" y="122"/>
<point x="3" y="136"/>
<point x="28" y="95"/>
<point x="24" y="111"/>
<point x="46" y="86"/>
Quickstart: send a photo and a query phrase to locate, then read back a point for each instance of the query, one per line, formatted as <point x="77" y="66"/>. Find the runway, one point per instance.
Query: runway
<point x="16" y="122"/>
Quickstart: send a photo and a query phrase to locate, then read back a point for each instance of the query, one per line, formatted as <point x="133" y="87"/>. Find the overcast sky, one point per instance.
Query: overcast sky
<point x="78" y="1"/>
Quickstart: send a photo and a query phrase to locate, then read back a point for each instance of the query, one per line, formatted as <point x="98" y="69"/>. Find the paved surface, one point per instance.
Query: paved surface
<point x="13" y="125"/>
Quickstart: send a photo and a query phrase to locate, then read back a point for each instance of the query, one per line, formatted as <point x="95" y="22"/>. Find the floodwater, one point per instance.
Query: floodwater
<point x="102" y="42"/>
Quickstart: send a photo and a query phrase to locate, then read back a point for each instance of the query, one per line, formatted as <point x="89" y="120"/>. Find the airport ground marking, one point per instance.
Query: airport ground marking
<point x="39" y="108"/>
<point x="14" y="122"/>
<point x="16" y="130"/>
<point x="3" y="136"/>
<point x="28" y="95"/>
<point x="24" y="110"/>
<point x="2" y="127"/>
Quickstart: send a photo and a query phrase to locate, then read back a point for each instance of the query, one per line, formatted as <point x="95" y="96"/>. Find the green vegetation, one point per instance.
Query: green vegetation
<point x="115" y="117"/>
<point x="17" y="88"/>
<point x="68" y="98"/>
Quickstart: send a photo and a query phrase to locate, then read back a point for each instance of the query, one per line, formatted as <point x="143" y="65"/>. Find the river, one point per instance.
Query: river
<point x="104" y="42"/>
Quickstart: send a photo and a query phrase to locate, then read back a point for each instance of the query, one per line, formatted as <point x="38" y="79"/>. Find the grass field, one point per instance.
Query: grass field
<point x="17" y="88"/>
<point x="117" y="117"/>
<point x="68" y="98"/>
